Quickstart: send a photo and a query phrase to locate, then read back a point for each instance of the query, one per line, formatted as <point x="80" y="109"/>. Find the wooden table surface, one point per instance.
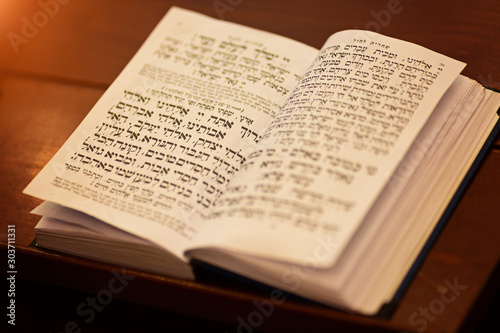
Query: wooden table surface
<point x="57" y="57"/>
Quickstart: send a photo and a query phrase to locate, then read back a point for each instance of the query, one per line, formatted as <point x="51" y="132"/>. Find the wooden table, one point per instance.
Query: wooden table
<point x="58" y="57"/>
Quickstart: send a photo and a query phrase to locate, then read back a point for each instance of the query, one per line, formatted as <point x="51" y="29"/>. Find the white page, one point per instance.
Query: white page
<point x="164" y="140"/>
<point x="113" y="246"/>
<point x="80" y="220"/>
<point x="328" y="154"/>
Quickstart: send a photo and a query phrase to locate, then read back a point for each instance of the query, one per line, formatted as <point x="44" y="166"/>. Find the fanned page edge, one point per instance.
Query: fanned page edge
<point x="336" y="286"/>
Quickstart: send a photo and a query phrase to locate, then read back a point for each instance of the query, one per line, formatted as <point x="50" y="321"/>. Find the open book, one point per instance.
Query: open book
<point x="319" y="172"/>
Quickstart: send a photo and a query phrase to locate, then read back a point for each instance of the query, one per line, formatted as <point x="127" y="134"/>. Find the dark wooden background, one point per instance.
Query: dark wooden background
<point x="56" y="60"/>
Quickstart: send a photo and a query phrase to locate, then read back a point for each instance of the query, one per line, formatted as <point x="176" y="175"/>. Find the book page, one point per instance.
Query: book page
<point x="330" y="151"/>
<point x="163" y="142"/>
